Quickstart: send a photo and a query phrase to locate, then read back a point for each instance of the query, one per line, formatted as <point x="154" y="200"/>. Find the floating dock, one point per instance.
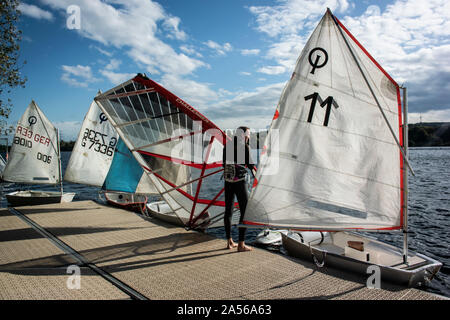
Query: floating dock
<point x="122" y="255"/>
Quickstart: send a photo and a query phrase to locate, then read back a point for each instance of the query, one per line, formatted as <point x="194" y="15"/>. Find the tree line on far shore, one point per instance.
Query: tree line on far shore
<point x="430" y="134"/>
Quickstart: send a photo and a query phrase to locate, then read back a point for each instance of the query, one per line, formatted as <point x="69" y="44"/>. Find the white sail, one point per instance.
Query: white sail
<point x="166" y="134"/>
<point x="34" y="153"/>
<point x="339" y="164"/>
<point x="93" y="151"/>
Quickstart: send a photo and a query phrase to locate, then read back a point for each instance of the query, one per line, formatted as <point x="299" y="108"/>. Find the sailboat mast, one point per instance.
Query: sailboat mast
<point x="405" y="177"/>
<point x="59" y="162"/>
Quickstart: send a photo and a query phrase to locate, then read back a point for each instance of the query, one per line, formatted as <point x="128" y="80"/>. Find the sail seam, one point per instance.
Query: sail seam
<point x="309" y="197"/>
<point x="343" y="131"/>
<point x="336" y="171"/>
<point x="314" y="82"/>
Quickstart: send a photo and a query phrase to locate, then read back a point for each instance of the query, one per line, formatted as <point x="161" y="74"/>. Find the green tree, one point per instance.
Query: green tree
<point x="10" y="37"/>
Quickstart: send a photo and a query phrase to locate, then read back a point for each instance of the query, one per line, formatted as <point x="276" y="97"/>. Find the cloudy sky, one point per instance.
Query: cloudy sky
<point x="230" y="59"/>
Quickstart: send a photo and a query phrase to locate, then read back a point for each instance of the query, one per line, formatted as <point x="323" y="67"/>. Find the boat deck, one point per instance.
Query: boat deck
<point x="122" y="255"/>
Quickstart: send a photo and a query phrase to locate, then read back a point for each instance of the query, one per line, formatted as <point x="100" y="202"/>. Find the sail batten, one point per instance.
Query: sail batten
<point x="344" y="171"/>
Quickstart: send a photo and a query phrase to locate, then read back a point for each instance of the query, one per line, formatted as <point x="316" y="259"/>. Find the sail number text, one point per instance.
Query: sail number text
<point x="328" y="102"/>
<point x="96" y="141"/>
<point x="44" y="158"/>
<point x="27" y="133"/>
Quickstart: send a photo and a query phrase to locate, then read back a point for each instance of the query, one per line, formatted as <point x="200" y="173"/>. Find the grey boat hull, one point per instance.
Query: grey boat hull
<point x="419" y="272"/>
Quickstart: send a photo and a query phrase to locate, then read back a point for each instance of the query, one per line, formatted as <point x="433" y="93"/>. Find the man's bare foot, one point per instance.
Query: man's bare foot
<point x="242" y="247"/>
<point x="231" y="244"/>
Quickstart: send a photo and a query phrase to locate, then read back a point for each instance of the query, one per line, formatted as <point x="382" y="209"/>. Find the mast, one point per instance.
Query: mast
<point x="59" y="162"/>
<point x="405" y="177"/>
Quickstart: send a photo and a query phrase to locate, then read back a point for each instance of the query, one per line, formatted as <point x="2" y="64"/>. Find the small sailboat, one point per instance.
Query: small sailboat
<point x="346" y="169"/>
<point x="35" y="158"/>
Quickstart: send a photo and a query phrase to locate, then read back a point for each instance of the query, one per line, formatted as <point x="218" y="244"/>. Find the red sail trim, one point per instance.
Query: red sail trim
<point x="184" y="193"/>
<point x="276" y="115"/>
<point x="181" y="161"/>
<point x="402" y="162"/>
<point x="183" y="106"/>
<point x="251" y="223"/>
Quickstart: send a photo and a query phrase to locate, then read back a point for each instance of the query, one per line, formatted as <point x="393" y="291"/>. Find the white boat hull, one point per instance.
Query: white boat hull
<point x="30" y="197"/>
<point x="161" y="210"/>
<point x="127" y="201"/>
<point x="334" y="252"/>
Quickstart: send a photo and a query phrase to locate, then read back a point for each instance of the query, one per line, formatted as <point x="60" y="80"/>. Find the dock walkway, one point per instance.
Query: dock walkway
<point x="122" y="255"/>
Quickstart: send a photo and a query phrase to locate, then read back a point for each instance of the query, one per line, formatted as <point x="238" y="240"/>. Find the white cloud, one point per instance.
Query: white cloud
<point x="290" y="22"/>
<point x="291" y="16"/>
<point x="116" y="78"/>
<point x="272" y="70"/>
<point x="254" y="108"/>
<point x="113" y="64"/>
<point x="430" y="116"/>
<point x="104" y="52"/>
<point x="199" y="95"/>
<point x="69" y="129"/>
<point x="78" y="76"/>
<point x="132" y="26"/>
<point x="250" y="52"/>
<point x="221" y="50"/>
<point x="171" y="24"/>
<point x="191" y="50"/>
<point x="35" y="12"/>
<point x="244" y="73"/>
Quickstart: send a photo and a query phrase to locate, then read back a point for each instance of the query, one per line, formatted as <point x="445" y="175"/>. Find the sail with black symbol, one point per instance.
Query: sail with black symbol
<point x="333" y="158"/>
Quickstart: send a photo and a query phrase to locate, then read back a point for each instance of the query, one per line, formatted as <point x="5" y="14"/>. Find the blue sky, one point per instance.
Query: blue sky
<point x="229" y="59"/>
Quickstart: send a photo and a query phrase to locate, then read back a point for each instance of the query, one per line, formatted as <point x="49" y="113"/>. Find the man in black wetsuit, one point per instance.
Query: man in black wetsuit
<point x="236" y="157"/>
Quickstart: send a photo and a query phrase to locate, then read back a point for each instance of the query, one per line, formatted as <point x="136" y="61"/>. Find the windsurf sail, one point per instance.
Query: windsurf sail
<point x="126" y="175"/>
<point x="338" y="157"/>
<point x="93" y="151"/>
<point x="168" y="136"/>
<point x="34" y="156"/>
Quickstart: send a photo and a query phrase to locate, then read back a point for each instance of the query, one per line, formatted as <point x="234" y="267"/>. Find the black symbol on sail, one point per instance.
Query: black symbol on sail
<point x="328" y="103"/>
<point x="316" y="64"/>
<point x="32" y="120"/>
<point x="103" y="117"/>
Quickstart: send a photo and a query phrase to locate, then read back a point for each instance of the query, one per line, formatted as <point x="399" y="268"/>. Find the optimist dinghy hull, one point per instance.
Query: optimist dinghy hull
<point x="161" y="210"/>
<point x="30" y="198"/>
<point x="337" y="250"/>
<point x="126" y="201"/>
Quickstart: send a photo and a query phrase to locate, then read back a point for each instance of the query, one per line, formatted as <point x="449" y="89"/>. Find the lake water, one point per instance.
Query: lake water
<point x="429" y="210"/>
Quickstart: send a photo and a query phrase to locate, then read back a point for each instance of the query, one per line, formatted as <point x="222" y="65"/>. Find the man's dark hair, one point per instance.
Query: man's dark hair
<point x="243" y="128"/>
